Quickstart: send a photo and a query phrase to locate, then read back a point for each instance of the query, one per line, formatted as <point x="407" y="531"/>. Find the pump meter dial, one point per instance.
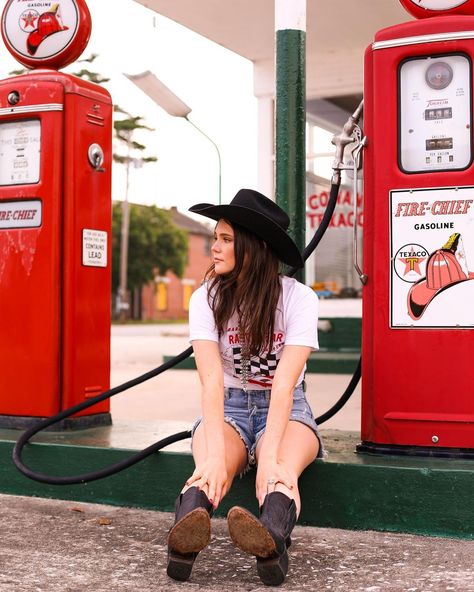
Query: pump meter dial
<point x="427" y="8"/>
<point x="435" y="120"/>
<point x="439" y="75"/>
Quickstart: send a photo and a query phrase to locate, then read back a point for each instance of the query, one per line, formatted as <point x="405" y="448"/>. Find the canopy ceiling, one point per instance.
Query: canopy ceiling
<point x="338" y="32"/>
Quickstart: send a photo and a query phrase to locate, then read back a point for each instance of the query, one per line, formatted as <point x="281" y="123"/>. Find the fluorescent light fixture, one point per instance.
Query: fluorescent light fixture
<point x="160" y="93"/>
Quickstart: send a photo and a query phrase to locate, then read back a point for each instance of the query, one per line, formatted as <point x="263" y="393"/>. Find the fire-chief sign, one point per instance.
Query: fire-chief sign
<point x="432" y="257"/>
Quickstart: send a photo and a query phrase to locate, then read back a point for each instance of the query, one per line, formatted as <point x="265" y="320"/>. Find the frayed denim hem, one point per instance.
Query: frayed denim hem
<point x="322" y="453"/>
<point x="251" y="461"/>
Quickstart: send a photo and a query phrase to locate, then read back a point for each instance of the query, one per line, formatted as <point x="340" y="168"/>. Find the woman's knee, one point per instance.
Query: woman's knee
<point x="236" y="451"/>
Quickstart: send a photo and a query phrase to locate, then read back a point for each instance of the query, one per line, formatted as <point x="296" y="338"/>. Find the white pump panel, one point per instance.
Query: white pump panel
<point x="435" y="113"/>
<point x="20" y="150"/>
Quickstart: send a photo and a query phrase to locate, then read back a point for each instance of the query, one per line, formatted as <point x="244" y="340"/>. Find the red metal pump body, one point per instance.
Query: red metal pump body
<point x="55" y="241"/>
<point x="418" y="304"/>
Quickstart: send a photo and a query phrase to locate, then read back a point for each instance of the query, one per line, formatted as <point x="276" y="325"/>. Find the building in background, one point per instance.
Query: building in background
<point x="167" y="297"/>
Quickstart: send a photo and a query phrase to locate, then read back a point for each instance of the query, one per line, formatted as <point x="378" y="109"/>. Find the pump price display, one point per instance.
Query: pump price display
<point x="439" y="113"/>
<point x="435" y="114"/>
<point x="20" y="146"/>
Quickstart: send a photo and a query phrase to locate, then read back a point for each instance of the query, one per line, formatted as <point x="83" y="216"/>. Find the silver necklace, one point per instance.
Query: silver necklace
<point x="245" y="360"/>
<point x="244" y="377"/>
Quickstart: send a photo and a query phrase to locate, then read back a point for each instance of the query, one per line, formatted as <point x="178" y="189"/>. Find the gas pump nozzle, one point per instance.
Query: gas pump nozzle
<point x="351" y="134"/>
<point x="342" y="140"/>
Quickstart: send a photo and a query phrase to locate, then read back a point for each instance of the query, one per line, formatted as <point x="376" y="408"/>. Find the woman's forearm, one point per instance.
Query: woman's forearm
<point x="212" y="404"/>
<point x="211" y="376"/>
<point x="289" y="369"/>
<point x="278" y="416"/>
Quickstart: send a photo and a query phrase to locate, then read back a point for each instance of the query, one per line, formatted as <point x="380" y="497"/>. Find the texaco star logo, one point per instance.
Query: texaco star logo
<point x="28" y="20"/>
<point x="410" y="262"/>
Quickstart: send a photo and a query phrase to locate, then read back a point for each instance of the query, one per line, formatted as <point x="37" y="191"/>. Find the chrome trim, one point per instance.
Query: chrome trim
<point x="454" y="36"/>
<point x="356" y="156"/>
<point x="32" y="109"/>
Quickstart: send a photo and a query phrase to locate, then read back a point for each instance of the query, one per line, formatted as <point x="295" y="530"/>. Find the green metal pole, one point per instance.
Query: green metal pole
<point x="290" y="149"/>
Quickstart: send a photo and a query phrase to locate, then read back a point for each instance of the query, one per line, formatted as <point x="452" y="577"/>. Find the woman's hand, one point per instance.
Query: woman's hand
<point x="211" y="477"/>
<point x="269" y="474"/>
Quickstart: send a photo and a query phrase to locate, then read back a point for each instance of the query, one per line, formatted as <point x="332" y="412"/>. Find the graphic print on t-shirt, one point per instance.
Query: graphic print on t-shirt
<point x="261" y="368"/>
<point x="296" y="318"/>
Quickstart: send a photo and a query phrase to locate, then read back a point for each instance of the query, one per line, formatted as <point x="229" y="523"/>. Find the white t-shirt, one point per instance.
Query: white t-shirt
<point x="296" y="323"/>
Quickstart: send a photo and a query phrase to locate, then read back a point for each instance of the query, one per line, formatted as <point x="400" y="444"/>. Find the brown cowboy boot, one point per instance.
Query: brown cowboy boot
<point x="267" y="538"/>
<point x="190" y="533"/>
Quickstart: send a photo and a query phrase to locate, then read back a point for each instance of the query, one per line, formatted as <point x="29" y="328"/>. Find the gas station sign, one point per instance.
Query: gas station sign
<point x="21" y="214"/>
<point x="47" y="34"/>
<point x="432" y="249"/>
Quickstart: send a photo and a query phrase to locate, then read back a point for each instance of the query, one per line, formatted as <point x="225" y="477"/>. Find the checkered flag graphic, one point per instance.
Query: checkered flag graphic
<point x="264" y="366"/>
<point x="237" y="357"/>
<point x="258" y="366"/>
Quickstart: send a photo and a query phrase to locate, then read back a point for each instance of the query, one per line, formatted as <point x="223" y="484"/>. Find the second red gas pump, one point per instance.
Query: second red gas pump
<point x="418" y="313"/>
<point x="55" y="220"/>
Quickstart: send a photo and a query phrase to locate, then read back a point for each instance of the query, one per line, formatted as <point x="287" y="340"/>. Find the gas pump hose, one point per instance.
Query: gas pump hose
<point x="135" y="458"/>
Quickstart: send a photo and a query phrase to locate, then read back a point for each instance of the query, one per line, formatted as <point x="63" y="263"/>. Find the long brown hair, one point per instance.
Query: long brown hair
<point x="254" y="297"/>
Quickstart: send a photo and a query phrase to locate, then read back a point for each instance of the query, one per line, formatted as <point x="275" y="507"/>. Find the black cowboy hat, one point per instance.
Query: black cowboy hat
<point x="260" y="215"/>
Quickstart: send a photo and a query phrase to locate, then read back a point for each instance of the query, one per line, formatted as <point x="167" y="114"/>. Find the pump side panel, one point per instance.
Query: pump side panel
<point x="87" y="249"/>
<point x="417" y="382"/>
<point x="29" y="258"/>
<point x="368" y="308"/>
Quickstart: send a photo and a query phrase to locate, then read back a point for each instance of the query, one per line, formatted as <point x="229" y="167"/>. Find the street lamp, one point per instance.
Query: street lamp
<point x="173" y="105"/>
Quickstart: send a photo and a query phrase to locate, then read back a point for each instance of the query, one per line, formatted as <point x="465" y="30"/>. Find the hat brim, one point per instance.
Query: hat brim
<point x="420" y="296"/>
<point x="276" y="238"/>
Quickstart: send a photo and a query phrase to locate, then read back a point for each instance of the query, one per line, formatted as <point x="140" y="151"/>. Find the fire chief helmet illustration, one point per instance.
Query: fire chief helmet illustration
<point x="445" y="268"/>
<point x="48" y="23"/>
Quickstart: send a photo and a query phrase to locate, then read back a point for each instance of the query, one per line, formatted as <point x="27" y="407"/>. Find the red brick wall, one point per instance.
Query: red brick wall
<point x="198" y="262"/>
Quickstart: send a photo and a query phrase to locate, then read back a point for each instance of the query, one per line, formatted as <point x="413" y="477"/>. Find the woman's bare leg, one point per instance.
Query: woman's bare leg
<point x="235" y="455"/>
<point x="299" y="447"/>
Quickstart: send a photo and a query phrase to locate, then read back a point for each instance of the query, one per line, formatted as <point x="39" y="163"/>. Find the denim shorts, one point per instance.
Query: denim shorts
<point x="246" y="412"/>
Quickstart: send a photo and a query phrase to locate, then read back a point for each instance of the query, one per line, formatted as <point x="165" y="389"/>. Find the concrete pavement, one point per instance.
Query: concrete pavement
<point x="61" y="546"/>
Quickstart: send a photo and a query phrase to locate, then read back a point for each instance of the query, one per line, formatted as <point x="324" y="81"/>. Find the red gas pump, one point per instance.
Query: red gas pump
<point x="55" y="220"/>
<point x="418" y="312"/>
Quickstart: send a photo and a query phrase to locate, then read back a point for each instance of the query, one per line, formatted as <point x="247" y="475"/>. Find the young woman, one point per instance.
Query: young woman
<point x="252" y="331"/>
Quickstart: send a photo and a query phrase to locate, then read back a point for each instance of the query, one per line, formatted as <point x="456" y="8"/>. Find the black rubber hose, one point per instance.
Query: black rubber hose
<point x="318" y="235"/>
<point x="346" y="395"/>
<point x="135" y="458"/>
<point x="110" y="470"/>
<point x="100" y="473"/>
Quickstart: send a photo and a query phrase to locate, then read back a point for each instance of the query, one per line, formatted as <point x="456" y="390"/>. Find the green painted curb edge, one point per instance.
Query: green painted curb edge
<point x="362" y="492"/>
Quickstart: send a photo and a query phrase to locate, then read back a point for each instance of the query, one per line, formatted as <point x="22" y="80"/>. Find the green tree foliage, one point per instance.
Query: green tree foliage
<point x="88" y="74"/>
<point x="125" y="128"/>
<point x="156" y="245"/>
